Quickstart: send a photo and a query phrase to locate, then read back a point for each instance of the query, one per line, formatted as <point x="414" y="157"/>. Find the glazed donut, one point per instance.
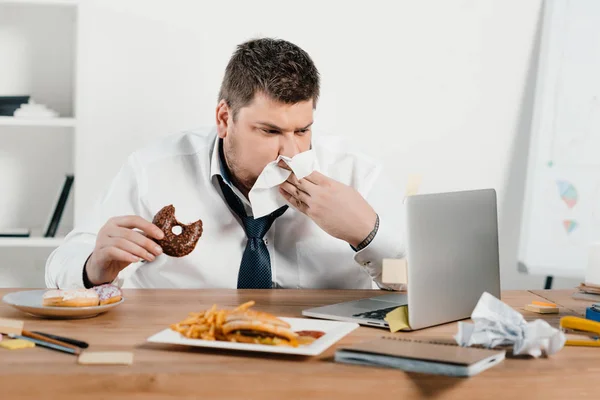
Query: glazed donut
<point x="70" y="298"/>
<point x="176" y="245"/>
<point x="108" y="293"/>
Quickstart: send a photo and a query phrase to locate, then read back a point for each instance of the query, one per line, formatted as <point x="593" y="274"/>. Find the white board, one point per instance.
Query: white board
<point x="562" y="198"/>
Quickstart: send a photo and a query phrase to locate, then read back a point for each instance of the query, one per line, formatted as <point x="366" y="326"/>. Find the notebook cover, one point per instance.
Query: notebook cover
<point x="440" y="351"/>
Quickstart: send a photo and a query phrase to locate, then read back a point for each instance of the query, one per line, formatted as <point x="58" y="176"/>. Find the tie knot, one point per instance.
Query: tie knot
<point x="257" y="228"/>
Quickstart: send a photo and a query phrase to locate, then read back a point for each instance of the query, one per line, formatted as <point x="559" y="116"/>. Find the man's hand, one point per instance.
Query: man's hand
<point x="337" y="208"/>
<point x="119" y="245"/>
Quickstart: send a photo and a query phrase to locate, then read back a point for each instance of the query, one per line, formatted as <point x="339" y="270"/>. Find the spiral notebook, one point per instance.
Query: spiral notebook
<point x="441" y="357"/>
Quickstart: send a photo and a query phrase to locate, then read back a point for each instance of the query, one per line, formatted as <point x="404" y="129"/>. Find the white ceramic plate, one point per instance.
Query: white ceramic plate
<point x="334" y="331"/>
<point x="30" y="302"/>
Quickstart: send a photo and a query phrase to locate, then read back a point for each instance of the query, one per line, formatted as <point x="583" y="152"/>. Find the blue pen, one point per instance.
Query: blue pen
<point x="45" y="344"/>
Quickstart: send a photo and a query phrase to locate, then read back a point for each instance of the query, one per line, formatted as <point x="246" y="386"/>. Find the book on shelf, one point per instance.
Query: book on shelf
<point x="14" y="233"/>
<point x="59" y="207"/>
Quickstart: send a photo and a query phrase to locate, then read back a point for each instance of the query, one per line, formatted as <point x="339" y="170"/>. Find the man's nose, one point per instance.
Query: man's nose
<point x="288" y="145"/>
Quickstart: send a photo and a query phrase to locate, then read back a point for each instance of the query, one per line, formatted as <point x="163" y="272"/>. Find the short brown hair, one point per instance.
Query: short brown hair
<point x="279" y="69"/>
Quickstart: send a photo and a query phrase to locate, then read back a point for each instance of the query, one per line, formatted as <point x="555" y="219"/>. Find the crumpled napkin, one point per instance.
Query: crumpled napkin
<point x="496" y="324"/>
<point x="264" y="195"/>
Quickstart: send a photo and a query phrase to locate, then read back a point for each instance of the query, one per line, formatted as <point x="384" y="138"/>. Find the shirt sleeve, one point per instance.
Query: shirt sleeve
<point x="389" y="242"/>
<point x="64" y="267"/>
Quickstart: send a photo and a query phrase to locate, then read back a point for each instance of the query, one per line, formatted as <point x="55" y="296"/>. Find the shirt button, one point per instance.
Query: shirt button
<point x="266" y="241"/>
<point x="366" y="264"/>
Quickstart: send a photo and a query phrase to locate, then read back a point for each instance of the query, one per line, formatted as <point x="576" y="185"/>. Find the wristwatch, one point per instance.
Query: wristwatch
<point x="369" y="238"/>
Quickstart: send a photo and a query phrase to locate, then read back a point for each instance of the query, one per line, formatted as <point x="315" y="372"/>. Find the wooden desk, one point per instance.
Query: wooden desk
<point x="177" y="372"/>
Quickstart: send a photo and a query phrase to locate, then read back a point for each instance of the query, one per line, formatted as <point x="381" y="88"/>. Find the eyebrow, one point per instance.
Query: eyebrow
<point x="275" y="127"/>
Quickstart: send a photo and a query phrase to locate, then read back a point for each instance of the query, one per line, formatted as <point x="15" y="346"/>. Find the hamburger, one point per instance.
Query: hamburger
<point x="258" y="328"/>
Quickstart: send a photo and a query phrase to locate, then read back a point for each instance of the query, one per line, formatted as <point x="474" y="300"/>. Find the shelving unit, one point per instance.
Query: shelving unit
<point x="42" y="2"/>
<point x="39" y="37"/>
<point x="37" y="242"/>
<point x="41" y="122"/>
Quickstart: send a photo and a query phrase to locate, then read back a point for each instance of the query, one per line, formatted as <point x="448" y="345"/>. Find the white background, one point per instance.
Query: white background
<point x="439" y="88"/>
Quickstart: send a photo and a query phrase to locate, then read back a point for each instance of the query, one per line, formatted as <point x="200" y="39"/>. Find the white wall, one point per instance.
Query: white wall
<point x="441" y="88"/>
<point x="36" y="54"/>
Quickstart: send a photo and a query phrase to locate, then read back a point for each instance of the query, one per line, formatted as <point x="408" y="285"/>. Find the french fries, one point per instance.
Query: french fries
<point x="207" y="324"/>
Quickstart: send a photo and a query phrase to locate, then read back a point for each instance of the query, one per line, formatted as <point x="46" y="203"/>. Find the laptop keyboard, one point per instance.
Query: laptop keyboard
<point x="376" y="314"/>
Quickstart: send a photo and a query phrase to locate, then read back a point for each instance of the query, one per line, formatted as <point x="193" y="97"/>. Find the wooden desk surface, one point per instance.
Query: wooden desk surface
<point x="177" y="372"/>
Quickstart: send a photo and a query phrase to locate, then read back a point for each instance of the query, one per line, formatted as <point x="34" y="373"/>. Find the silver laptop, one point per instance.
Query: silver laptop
<point x="452" y="256"/>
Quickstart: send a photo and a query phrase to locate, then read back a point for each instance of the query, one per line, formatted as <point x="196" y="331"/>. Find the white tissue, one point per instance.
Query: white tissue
<point x="264" y="195"/>
<point x="497" y="324"/>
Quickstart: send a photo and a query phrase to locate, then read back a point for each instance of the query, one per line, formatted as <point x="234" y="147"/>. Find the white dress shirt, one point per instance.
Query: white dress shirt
<point x="181" y="170"/>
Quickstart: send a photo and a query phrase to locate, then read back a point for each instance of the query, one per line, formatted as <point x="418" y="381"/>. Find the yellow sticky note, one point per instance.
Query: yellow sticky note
<point x="16" y="344"/>
<point x="412" y="187"/>
<point x="398" y="319"/>
<point x="395" y="271"/>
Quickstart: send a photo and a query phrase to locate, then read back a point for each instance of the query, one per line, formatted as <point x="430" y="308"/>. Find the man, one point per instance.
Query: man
<point x="343" y="220"/>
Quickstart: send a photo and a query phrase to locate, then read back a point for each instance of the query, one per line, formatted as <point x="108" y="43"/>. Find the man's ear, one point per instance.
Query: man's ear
<point x="222" y="115"/>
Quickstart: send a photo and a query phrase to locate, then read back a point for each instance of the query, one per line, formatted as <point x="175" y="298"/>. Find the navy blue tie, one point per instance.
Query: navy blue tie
<point x="255" y="269"/>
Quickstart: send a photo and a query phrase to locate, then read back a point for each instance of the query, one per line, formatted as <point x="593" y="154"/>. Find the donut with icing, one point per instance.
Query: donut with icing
<point x="172" y="244"/>
<point x="108" y="293"/>
<point x="70" y="298"/>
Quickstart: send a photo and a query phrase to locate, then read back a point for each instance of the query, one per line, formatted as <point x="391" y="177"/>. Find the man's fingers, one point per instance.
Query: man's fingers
<point x="303" y="184"/>
<point x="317" y="178"/>
<point x="132" y="248"/>
<point x="296" y="203"/>
<point x="136" y="238"/>
<point x="116" y="254"/>
<point x="295" y="192"/>
<point x="134" y="221"/>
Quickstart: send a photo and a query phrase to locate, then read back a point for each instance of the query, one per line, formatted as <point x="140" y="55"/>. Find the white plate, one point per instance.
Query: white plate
<point x="30" y="302"/>
<point x="334" y="331"/>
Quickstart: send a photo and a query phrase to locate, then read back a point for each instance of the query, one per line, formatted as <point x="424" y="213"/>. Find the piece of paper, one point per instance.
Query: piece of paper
<point x="398" y="319"/>
<point x="264" y="195"/>
<point x="106" y="358"/>
<point x="11" y="326"/>
<point x="497" y="324"/>
<point x="395" y="271"/>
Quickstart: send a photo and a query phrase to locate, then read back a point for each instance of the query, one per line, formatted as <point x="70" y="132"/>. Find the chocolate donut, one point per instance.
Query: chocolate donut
<point x="176" y="245"/>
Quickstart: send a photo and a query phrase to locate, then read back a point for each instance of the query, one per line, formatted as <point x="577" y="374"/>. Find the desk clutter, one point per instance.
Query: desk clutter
<point x="593" y="312"/>
<point x="589" y="288"/>
<point x="497" y="331"/>
<point x="581" y="331"/>
<point x="13" y="336"/>
<point x="541" y="307"/>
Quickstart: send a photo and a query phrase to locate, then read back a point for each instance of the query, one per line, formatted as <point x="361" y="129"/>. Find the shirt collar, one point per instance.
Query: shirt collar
<point x="217" y="162"/>
<point x="218" y="167"/>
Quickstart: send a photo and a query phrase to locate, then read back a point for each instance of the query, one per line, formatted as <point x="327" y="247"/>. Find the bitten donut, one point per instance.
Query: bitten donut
<point x="108" y="293"/>
<point x="176" y="245"/>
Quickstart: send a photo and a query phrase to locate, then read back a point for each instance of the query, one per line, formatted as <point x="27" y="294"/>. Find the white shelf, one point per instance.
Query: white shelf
<point x="31" y="242"/>
<point x="12" y="121"/>
<point x="42" y="2"/>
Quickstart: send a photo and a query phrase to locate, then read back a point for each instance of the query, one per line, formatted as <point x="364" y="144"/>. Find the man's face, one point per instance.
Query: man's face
<point x="263" y="130"/>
